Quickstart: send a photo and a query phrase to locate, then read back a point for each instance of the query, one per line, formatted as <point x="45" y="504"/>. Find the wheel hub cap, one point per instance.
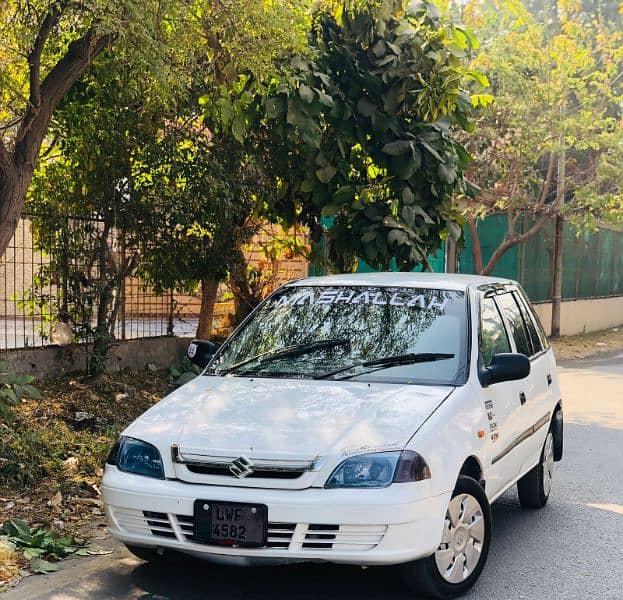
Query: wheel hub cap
<point x="462" y="540"/>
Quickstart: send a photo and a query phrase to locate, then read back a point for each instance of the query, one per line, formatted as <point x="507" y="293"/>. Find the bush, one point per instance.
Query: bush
<point x="13" y="388"/>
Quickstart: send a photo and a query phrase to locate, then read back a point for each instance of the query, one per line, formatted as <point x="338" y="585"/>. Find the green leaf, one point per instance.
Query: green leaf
<point x="306" y="186"/>
<point x="31" y="391"/>
<point x="431" y="150"/>
<point x="446" y="173"/>
<point x="239" y="128"/>
<point x="343" y="195"/>
<point x="408" y="197"/>
<point x="395" y="236"/>
<point x="33" y="553"/>
<point x="325" y="99"/>
<point x="18" y="529"/>
<point x="454" y="229"/>
<point x="306" y="93"/>
<point x="275" y="107"/>
<point x="325" y="174"/>
<point x="397" y="148"/>
<point x="481" y="78"/>
<point x="38" y="565"/>
<point x="365" y="106"/>
<point x="404" y="166"/>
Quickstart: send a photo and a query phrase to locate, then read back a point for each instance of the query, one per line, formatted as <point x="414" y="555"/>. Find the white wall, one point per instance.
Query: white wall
<point x="583" y="316"/>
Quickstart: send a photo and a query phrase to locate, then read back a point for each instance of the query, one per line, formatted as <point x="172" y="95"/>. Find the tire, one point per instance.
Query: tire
<point x="535" y="486"/>
<point x="444" y="575"/>
<point x="151" y="555"/>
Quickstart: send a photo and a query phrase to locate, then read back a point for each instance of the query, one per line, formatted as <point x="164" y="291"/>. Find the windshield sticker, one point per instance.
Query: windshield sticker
<point x="372" y="298"/>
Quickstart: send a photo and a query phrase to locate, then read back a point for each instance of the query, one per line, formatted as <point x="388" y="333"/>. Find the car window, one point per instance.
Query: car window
<point x="509" y="307"/>
<point x="537" y="346"/>
<point x="544" y="342"/>
<point x="368" y="323"/>
<point x="493" y="338"/>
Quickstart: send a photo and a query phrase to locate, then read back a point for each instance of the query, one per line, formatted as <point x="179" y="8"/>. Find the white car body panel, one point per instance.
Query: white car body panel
<point x="323" y="422"/>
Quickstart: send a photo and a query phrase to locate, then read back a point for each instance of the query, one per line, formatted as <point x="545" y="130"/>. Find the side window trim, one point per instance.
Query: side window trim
<point x="508" y="328"/>
<point x="509" y="325"/>
<point x="509" y="338"/>
<point x="524" y="317"/>
<point x="543" y="340"/>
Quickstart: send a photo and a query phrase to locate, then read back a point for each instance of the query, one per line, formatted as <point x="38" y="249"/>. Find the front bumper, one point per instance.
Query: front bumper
<point x="369" y="527"/>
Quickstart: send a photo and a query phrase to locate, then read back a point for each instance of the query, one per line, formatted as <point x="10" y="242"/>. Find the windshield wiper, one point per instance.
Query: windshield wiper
<point x="389" y="361"/>
<point x="288" y="352"/>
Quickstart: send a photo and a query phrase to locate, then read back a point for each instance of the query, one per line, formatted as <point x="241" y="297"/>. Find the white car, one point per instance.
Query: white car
<point x="367" y="419"/>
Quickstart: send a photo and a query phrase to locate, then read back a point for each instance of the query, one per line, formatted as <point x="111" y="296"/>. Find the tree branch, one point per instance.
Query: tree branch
<point x="509" y="242"/>
<point x="547" y="185"/>
<point x="64" y="74"/>
<point x="34" y="56"/>
<point x="5" y="156"/>
<point x="476" y="247"/>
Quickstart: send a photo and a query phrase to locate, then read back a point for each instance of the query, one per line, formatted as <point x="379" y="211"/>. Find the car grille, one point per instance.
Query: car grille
<point x="293" y="537"/>
<point x="309" y="537"/>
<point x="144" y="522"/>
<point x="258" y="473"/>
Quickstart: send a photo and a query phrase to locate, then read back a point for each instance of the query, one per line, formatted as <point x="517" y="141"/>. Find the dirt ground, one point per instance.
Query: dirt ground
<point x="587" y="345"/>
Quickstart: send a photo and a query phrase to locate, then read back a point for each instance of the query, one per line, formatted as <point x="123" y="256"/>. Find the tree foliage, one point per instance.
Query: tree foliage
<point x="366" y="131"/>
<point x="555" y="124"/>
<point x="47" y="45"/>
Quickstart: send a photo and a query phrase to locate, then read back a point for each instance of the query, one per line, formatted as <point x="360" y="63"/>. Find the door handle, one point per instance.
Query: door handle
<point x="522" y="398"/>
<point x="549" y="379"/>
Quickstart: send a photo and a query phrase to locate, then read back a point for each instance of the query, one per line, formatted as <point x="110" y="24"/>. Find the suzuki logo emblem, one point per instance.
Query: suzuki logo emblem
<point x="241" y="467"/>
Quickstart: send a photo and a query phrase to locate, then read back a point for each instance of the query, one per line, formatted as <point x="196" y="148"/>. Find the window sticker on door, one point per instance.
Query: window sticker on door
<point x="493" y="426"/>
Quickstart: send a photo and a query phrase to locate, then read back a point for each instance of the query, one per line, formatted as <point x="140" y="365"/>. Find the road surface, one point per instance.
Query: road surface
<point x="570" y="550"/>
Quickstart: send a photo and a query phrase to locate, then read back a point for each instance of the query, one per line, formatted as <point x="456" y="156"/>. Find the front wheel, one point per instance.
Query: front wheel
<point x="535" y="486"/>
<point x="456" y="565"/>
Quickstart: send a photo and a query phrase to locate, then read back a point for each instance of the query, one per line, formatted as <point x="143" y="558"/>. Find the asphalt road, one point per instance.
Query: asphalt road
<point x="572" y="549"/>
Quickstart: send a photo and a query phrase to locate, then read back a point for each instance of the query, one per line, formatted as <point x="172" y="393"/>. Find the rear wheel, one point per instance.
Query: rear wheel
<point x="535" y="486"/>
<point x="456" y="565"/>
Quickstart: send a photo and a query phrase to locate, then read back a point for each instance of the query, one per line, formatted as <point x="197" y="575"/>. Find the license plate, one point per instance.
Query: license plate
<point x="230" y="523"/>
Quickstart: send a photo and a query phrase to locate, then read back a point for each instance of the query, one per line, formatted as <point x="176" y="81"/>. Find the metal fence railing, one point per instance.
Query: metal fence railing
<point x="592" y="263"/>
<point x="44" y="284"/>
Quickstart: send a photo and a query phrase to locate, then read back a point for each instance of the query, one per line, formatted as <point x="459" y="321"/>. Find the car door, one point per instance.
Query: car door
<point x="501" y="401"/>
<point x="530" y="391"/>
<point x="541" y="402"/>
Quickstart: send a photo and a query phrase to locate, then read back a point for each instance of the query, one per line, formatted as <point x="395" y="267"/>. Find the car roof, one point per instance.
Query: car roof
<point x="442" y="281"/>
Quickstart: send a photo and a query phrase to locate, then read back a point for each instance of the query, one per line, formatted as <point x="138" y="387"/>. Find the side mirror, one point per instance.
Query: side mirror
<point x="505" y="367"/>
<point x="201" y="352"/>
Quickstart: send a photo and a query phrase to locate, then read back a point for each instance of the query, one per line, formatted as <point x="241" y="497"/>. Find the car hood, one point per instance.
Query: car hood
<point x="286" y="418"/>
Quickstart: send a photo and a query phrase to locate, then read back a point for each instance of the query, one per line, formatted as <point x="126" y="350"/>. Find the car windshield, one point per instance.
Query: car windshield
<point x="347" y="333"/>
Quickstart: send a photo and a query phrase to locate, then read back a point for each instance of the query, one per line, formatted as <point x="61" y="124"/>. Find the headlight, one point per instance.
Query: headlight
<point x="135" y="456"/>
<point x="379" y="470"/>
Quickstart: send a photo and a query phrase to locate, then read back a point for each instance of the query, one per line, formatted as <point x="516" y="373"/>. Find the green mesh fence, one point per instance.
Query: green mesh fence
<point x="592" y="264"/>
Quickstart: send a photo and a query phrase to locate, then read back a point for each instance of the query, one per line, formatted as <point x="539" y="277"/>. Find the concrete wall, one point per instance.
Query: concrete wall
<point x="583" y="316"/>
<point x="47" y="363"/>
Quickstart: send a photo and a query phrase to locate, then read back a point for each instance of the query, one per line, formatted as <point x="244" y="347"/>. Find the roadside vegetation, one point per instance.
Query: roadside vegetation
<point x="52" y="454"/>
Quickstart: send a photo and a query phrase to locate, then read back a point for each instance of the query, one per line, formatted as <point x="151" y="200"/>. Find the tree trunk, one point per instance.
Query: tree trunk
<point x="557" y="276"/>
<point x="17" y="167"/>
<point x="476" y="247"/>
<point x="558" y="243"/>
<point x="209" y="290"/>
<point x="13" y="187"/>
